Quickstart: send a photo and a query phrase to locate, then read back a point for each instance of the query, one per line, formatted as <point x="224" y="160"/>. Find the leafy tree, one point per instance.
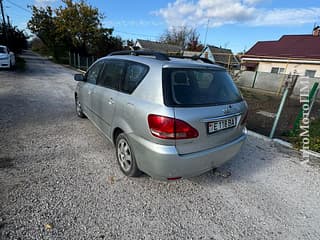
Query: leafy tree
<point x="80" y="23"/>
<point x="12" y="37"/>
<point x="76" y="27"/>
<point x="106" y="43"/>
<point x="43" y="25"/>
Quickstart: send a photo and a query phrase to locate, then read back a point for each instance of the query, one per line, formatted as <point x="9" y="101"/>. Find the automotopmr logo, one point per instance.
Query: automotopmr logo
<point x="305" y="120"/>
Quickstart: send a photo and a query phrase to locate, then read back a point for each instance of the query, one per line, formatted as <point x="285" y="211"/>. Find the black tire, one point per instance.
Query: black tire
<point x="125" y="157"/>
<point x="79" y="108"/>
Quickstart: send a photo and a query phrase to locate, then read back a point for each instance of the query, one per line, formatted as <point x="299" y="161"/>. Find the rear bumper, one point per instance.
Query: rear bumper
<point x="162" y="162"/>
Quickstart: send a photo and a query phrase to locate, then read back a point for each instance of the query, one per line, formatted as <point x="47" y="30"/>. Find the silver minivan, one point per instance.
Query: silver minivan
<point x="169" y="118"/>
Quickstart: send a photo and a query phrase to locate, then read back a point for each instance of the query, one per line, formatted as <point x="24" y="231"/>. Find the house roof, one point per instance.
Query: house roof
<point x="221" y="55"/>
<point x="158" y="46"/>
<point x="288" y="46"/>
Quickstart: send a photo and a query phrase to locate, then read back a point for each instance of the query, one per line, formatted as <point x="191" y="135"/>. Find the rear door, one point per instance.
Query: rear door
<point x="208" y="100"/>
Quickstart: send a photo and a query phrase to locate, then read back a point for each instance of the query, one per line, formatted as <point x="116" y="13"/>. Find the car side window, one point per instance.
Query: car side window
<point x="112" y="74"/>
<point x="93" y="73"/>
<point x="134" y="75"/>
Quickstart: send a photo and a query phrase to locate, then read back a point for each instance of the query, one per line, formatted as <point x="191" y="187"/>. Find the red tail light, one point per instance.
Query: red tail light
<point x="170" y="128"/>
<point x="244" y="119"/>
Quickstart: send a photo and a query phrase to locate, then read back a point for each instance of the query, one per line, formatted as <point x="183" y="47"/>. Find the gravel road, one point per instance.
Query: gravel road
<point x="59" y="178"/>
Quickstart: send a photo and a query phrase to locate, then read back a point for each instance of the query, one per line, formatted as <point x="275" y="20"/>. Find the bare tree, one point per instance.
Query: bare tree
<point x="187" y="38"/>
<point x="193" y="43"/>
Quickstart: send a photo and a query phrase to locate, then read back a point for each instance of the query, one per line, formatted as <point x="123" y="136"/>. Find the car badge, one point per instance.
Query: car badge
<point x="227" y="110"/>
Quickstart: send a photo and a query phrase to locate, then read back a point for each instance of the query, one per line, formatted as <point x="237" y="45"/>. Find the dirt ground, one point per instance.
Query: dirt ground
<point x="263" y="107"/>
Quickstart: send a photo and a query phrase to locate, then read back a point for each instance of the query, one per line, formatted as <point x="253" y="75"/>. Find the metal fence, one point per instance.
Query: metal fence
<point x="277" y="105"/>
<point x="80" y="62"/>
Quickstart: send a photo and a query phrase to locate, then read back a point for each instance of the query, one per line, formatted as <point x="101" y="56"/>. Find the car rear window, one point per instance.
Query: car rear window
<point x="2" y="50"/>
<point x="198" y="87"/>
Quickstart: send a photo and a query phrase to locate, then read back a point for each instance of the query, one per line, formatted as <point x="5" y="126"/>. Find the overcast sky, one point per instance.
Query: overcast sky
<point x="234" y="24"/>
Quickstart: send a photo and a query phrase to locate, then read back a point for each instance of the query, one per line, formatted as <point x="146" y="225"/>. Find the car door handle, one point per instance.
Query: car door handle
<point x="111" y="101"/>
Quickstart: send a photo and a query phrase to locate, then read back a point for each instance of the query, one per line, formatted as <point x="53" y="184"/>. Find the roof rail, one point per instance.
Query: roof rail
<point x="157" y="55"/>
<point x="195" y="58"/>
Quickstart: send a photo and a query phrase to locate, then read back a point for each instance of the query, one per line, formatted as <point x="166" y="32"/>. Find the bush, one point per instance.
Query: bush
<point x="314" y="132"/>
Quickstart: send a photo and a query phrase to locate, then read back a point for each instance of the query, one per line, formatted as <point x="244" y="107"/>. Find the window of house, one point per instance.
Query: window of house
<point x="277" y="70"/>
<point x="310" y="73"/>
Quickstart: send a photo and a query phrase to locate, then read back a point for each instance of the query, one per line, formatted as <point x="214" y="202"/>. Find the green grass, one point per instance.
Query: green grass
<point x="314" y="132"/>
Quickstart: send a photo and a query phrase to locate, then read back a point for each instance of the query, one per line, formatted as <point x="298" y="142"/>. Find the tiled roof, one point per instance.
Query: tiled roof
<point x="159" y="47"/>
<point x="221" y="55"/>
<point x="288" y="46"/>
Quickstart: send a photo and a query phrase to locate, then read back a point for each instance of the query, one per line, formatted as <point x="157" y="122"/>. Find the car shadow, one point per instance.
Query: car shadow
<point x="254" y="156"/>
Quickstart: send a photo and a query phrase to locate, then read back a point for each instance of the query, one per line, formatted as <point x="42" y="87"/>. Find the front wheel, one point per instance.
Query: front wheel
<point x="125" y="157"/>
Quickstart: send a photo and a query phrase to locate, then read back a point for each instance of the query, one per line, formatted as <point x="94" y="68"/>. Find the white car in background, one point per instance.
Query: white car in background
<point x="7" y="58"/>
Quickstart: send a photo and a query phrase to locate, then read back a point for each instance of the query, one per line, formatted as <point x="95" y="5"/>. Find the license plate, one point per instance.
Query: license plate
<point x="221" y="124"/>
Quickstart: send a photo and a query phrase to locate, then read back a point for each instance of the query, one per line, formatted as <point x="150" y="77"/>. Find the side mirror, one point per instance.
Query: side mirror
<point x="79" y="77"/>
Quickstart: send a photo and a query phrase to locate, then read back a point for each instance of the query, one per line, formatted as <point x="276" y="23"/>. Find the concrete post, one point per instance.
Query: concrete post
<point x="254" y="79"/>
<point x="87" y="62"/>
<point x="79" y="64"/>
<point x="74" y="60"/>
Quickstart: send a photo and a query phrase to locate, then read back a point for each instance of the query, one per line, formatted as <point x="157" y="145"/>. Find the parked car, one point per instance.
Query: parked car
<point x="7" y="58"/>
<point x="167" y="117"/>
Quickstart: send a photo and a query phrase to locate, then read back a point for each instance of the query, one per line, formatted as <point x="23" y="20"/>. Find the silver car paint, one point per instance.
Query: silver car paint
<point x="110" y="110"/>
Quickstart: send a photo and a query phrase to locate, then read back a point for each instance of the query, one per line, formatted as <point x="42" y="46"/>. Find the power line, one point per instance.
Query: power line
<point x="19" y="6"/>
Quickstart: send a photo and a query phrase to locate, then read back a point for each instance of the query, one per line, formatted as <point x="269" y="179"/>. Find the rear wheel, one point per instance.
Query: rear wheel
<point x="79" y="109"/>
<point x="125" y="157"/>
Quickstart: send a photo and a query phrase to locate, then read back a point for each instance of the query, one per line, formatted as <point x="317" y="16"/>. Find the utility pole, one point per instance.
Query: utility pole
<point x="3" y="19"/>
<point x="3" y="22"/>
